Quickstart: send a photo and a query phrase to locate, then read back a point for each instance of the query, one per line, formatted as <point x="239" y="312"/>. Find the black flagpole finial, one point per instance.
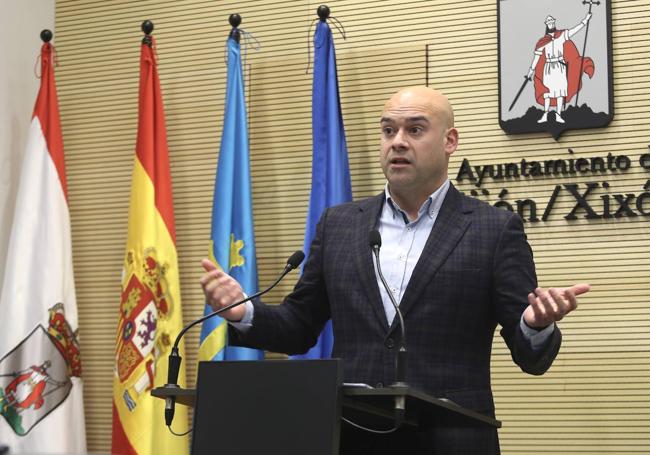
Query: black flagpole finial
<point x="46" y="35"/>
<point x="147" y="28"/>
<point x="234" y="20"/>
<point x="323" y="12"/>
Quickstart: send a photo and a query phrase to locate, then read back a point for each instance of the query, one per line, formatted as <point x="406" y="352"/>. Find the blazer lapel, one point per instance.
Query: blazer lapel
<point x="369" y="212"/>
<point x="449" y="228"/>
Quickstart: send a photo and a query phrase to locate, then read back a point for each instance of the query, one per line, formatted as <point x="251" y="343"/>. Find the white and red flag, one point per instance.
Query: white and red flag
<point x="41" y="396"/>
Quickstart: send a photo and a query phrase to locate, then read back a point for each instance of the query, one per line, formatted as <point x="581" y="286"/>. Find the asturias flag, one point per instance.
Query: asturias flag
<point x="150" y="309"/>
<point x="232" y="241"/>
<point x="41" y="397"/>
<point x="330" y="180"/>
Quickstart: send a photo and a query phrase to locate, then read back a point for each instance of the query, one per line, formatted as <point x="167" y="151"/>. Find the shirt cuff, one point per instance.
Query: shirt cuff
<point x="247" y="321"/>
<point x="536" y="338"/>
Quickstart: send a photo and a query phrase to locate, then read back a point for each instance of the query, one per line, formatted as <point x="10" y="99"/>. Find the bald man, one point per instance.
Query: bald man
<point x="456" y="266"/>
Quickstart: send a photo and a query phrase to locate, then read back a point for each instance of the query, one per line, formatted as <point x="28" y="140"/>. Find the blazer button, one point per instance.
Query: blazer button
<point x="390" y="343"/>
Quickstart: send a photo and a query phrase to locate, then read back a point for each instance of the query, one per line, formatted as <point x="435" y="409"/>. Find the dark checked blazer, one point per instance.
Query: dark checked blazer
<point x="475" y="272"/>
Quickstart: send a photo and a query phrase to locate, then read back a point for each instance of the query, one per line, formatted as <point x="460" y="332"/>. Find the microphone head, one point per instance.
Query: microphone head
<point x="295" y="259"/>
<point x="375" y="239"/>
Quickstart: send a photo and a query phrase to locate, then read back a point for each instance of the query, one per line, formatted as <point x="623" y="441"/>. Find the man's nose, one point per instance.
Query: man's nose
<point x="399" y="140"/>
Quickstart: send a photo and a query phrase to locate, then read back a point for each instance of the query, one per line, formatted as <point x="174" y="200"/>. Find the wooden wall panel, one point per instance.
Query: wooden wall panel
<point x="595" y="399"/>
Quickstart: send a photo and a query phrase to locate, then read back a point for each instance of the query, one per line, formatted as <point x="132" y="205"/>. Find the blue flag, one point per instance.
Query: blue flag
<point x="330" y="181"/>
<point x="232" y="242"/>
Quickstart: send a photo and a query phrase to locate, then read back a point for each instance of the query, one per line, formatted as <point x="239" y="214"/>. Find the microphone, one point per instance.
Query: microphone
<point x="375" y="244"/>
<point x="175" y="359"/>
<point x="400" y="361"/>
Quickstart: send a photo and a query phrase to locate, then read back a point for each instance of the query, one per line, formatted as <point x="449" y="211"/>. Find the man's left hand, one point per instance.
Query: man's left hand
<point x="547" y="306"/>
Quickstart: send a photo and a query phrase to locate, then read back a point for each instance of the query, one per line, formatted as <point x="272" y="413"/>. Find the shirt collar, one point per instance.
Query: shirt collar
<point x="430" y="206"/>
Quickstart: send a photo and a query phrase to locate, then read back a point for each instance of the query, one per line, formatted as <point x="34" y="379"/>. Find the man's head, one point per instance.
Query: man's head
<point x="550" y="24"/>
<point x="417" y="139"/>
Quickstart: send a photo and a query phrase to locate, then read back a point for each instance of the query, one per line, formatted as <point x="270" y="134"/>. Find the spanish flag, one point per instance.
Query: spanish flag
<point x="150" y="309"/>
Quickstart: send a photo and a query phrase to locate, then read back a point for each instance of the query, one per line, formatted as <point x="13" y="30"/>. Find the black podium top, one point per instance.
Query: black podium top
<point x="441" y="411"/>
<point x="379" y="401"/>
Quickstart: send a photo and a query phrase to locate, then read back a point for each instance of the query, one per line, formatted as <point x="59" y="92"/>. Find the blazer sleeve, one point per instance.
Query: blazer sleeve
<point x="514" y="278"/>
<point x="293" y="326"/>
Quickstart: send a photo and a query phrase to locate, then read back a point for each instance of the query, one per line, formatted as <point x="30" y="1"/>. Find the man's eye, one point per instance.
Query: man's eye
<point x="416" y="129"/>
<point x="387" y="131"/>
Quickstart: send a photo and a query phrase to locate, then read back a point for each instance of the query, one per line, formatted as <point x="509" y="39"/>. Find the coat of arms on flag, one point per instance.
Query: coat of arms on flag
<point x="35" y="375"/>
<point x="144" y="301"/>
<point x="555" y="65"/>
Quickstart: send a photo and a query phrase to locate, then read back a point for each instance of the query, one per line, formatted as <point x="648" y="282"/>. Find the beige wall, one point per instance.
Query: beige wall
<point x="596" y="398"/>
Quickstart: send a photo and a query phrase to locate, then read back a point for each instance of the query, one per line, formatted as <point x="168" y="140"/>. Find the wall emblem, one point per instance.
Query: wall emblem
<point x="555" y="65"/>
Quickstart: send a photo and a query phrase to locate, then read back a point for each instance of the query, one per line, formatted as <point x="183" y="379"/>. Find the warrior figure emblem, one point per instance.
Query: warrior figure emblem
<point x="557" y="67"/>
<point x="27" y="387"/>
<point x="560" y="65"/>
<point x="36" y="375"/>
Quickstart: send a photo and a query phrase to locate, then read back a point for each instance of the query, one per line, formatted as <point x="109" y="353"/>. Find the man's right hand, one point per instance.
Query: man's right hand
<point x="221" y="290"/>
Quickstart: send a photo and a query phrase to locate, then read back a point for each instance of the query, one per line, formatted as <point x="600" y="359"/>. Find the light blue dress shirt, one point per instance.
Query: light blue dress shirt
<point x="403" y="241"/>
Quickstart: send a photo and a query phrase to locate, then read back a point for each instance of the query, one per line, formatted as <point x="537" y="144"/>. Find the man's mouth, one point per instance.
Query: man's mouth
<point x="399" y="161"/>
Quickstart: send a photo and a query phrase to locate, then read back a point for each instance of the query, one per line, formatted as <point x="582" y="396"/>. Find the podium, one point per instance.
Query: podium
<point x="295" y="407"/>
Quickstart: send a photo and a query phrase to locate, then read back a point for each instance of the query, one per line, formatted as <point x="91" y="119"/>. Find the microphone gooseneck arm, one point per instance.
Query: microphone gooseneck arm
<point x="286" y="270"/>
<point x="375" y="244"/>
<point x="400" y="360"/>
<point x="401" y="352"/>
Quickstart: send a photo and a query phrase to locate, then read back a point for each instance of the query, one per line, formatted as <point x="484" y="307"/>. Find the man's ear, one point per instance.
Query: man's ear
<point x="451" y="140"/>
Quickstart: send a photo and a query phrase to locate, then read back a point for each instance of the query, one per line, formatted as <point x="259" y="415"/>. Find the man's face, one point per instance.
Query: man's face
<point x="415" y="144"/>
<point x="550" y="26"/>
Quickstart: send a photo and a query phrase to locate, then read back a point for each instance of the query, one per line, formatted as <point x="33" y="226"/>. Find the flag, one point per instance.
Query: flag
<point x="41" y="397"/>
<point x="232" y="241"/>
<point x="330" y="173"/>
<point x="150" y="309"/>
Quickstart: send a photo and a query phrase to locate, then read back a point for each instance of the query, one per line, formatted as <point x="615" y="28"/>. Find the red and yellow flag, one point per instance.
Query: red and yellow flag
<point x="150" y="308"/>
